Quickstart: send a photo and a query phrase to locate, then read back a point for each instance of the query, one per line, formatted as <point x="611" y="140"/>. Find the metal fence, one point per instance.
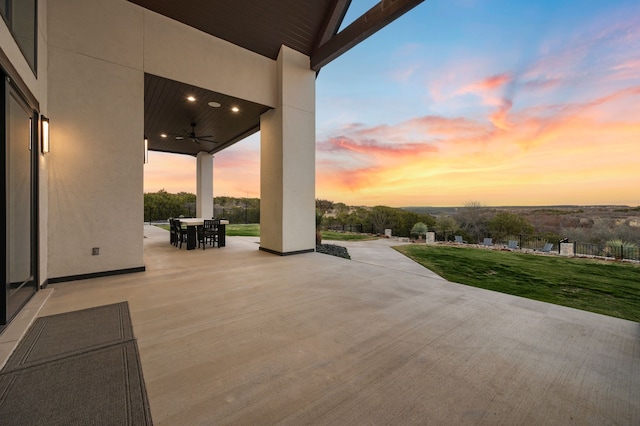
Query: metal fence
<point x="606" y="250"/>
<point x="538" y="243"/>
<point x="358" y="228"/>
<point x="520" y="241"/>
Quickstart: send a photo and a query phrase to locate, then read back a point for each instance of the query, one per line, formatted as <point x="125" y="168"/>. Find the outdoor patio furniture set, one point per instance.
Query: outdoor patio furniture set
<point x="200" y="230"/>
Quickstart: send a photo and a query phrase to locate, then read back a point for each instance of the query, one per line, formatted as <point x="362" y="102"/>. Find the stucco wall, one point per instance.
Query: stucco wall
<point x="98" y="53"/>
<point x="92" y="56"/>
<point x="271" y="188"/>
<point x="287" y="178"/>
<point x="178" y="52"/>
<point x="96" y="106"/>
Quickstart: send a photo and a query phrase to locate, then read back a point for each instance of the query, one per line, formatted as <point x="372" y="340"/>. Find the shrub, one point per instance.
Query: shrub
<point x="419" y="229"/>
<point x="617" y="248"/>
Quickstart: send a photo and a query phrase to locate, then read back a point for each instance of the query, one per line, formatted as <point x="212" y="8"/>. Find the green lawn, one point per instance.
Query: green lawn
<point x="605" y="287"/>
<point x="242" y="230"/>
<point x="253" y="230"/>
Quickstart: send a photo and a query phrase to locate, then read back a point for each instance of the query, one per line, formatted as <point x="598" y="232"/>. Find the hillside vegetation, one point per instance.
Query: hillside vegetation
<point x="473" y="221"/>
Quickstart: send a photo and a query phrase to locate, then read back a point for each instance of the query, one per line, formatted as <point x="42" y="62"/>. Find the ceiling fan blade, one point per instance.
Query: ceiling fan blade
<point x="208" y="140"/>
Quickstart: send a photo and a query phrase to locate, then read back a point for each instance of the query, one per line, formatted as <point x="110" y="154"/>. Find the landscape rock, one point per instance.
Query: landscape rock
<point x="333" y="250"/>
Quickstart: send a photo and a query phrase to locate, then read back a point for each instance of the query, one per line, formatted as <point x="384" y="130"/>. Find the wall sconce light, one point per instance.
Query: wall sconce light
<point x="44" y="134"/>
<point x="146" y="150"/>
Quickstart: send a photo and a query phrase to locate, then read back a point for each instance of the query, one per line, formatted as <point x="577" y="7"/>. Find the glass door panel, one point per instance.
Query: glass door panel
<point x="20" y="255"/>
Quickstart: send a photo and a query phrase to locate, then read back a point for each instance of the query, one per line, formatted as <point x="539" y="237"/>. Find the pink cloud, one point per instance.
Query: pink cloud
<point x="493" y="82"/>
<point x="370" y="147"/>
<point x="471" y="154"/>
<point x="350" y="179"/>
<point x="627" y="70"/>
<point x="486" y="84"/>
<point x="444" y="126"/>
<point x="352" y="126"/>
<point x="631" y="64"/>
<point x="500" y="118"/>
<point x="488" y="88"/>
<point x="610" y="38"/>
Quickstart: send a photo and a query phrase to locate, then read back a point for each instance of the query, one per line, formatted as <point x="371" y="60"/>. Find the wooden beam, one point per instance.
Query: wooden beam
<point x="332" y="21"/>
<point x="376" y="18"/>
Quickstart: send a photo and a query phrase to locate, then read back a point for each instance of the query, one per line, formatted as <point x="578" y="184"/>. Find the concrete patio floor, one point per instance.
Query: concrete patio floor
<point x="239" y="336"/>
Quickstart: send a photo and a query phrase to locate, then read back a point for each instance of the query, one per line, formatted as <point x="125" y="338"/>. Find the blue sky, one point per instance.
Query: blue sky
<point x="501" y="102"/>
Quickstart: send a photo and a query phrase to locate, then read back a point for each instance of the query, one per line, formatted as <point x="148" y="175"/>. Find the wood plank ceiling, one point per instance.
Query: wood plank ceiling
<point x="169" y="115"/>
<point x="262" y="26"/>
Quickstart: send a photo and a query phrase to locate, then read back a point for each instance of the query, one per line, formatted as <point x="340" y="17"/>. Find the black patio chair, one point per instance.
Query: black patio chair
<point x="210" y="232"/>
<point x="201" y="237"/>
<point x="181" y="233"/>
<point x="172" y="232"/>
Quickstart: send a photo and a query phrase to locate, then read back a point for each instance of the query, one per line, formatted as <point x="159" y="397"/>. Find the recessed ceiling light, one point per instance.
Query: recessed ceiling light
<point x="235" y="109"/>
<point x="163" y="135"/>
<point x="214" y="104"/>
<point x="191" y="99"/>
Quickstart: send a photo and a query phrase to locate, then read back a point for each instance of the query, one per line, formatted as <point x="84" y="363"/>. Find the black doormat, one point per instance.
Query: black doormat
<point x="79" y="367"/>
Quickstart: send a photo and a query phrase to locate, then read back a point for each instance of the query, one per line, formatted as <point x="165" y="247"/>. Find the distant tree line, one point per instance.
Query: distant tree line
<point x="371" y="219"/>
<point x="473" y="221"/>
<point x="161" y="205"/>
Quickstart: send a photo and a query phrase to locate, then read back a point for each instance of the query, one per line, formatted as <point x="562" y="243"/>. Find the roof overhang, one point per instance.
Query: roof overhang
<point x="261" y="26"/>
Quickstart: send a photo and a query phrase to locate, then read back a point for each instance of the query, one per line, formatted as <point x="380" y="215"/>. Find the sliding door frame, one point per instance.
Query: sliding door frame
<point x="11" y="90"/>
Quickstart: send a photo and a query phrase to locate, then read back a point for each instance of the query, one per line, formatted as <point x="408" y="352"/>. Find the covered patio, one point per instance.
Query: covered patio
<point x="238" y="336"/>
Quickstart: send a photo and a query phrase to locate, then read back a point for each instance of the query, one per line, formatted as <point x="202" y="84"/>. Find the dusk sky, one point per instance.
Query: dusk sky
<point x="499" y="102"/>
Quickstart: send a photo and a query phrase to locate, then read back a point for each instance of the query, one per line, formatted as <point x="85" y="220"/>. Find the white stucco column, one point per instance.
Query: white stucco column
<point x="287" y="160"/>
<point x="204" y="185"/>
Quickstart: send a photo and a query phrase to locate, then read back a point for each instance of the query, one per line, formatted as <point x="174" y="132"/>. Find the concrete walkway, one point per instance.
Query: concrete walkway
<point x="237" y="336"/>
<point x="379" y="252"/>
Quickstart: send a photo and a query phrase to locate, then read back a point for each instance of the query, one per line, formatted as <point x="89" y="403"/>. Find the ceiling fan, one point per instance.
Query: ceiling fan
<point x="193" y="137"/>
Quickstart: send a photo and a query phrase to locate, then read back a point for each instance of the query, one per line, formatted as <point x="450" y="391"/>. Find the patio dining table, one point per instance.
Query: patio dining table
<point x="194" y="222"/>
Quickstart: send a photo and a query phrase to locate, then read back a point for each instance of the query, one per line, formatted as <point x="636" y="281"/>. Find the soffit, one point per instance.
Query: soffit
<point x="167" y="111"/>
<point x="261" y="26"/>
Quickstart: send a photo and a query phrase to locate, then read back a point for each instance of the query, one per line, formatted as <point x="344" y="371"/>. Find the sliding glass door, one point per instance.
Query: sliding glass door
<point x="20" y="171"/>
